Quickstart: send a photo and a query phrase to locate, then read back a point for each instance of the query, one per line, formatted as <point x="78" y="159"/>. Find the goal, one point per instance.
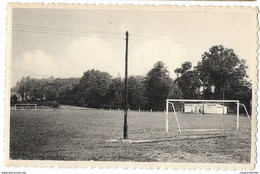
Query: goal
<point x="204" y="109"/>
<point x="25" y="106"/>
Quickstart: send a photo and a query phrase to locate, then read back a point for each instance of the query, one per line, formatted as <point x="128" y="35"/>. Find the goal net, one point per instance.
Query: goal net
<point x="25" y="106"/>
<point x="204" y="114"/>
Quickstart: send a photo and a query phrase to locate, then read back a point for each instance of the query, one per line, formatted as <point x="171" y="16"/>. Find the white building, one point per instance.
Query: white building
<point x="209" y="108"/>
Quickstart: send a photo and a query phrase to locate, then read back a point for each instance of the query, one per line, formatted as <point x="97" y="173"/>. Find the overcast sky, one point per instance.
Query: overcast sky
<point x="66" y="43"/>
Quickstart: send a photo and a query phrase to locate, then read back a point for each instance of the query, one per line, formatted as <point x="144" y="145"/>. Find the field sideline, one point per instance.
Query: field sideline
<point x="65" y="134"/>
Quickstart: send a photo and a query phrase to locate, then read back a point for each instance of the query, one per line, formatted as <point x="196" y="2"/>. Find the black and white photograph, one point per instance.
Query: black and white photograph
<point x="150" y="86"/>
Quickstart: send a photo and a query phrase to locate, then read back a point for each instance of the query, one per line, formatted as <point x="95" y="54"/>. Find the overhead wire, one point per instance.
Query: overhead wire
<point x="65" y="29"/>
<point x="67" y="32"/>
<point x="73" y="32"/>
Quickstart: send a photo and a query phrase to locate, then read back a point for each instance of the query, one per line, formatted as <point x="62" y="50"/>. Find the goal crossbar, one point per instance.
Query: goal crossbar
<point x="211" y="101"/>
<point x="15" y="106"/>
<point x="170" y="101"/>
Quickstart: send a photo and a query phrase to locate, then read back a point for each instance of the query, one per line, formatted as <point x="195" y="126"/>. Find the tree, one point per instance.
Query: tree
<point x="115" y="93"/>
<point x="221" y="68"/>
<point x="188" y="81"/>
<point x="66" y="89"/>
<point x="14" y="99"/>
<point x="50" y="90"/>
<point x="175" y="91"/>
<point x="94" y="85"/>
<point x="21" y="88"/>
<point x="184" y="68"/>
<point x="136" y="91"/>
<point x="157" y="86"/>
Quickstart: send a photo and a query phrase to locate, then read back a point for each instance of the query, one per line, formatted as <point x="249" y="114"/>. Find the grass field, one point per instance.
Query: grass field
<point x="66" y="134"/>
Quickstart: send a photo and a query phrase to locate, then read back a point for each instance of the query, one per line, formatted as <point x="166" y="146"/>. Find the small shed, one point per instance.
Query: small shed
<point x="208" y="108"/>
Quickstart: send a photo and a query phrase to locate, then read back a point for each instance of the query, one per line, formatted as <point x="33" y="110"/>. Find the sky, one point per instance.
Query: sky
<point x="67" y="42"/>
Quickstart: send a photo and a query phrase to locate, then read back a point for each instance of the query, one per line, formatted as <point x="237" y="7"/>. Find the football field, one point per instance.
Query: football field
<point x="73" y="134"/>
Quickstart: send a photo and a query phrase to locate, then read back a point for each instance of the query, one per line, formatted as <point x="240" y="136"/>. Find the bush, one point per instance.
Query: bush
<point x="47" y="103"/>
<point x="84" y="105"/>
<point x="55" y="104"/>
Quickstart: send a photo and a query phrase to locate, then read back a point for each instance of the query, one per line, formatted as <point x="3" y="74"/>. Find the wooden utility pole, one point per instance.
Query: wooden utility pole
<point x="126" y="91"/>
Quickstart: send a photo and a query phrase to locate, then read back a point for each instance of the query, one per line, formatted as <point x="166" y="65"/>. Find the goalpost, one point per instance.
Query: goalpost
<point x="200" y="107"/>
<point x="23" y="106"/>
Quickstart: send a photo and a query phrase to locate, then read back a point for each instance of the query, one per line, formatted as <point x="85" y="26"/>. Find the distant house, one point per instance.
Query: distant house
<point x="208" y="108"/>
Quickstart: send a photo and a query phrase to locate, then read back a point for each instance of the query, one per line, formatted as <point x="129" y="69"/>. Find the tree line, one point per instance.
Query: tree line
<point x="219" y="75"/>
